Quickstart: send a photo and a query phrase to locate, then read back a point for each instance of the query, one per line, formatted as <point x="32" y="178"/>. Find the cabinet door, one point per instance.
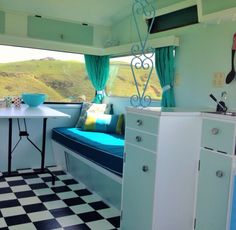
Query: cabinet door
<point x="138" y="189"/>
<point x="213" y="191"/>
<point x="55" y="30"/>
<point x="218" y="135"/>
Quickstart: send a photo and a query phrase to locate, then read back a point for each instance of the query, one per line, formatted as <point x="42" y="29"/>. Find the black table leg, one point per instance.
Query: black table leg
<point x="43" y="143"/>
<point x="44" y="149"/>
<point x="9" y="144"/>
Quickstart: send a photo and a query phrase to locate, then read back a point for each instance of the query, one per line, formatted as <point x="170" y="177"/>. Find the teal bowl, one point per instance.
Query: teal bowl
<point x="33" y="99"/>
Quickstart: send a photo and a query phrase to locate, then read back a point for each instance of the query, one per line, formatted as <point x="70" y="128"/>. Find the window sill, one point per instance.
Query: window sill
<point x="63" y="105"/>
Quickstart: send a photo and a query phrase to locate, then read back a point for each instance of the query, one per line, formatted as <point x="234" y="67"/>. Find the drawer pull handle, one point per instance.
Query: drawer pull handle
<point x="138" y="139"/>
<point x="145" y="168"/>
<point x="219" y="173"/>
<point x="139" y="122"/>
<point x="215" y="131"/>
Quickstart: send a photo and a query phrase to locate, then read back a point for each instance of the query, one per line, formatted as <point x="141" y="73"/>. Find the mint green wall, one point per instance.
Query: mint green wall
<point x="205" y="50"/>
<point x="166" y="3"/>
<point x="125" y="32"/>
<point x="2" y="22"/>
<point x="211" y="6"/>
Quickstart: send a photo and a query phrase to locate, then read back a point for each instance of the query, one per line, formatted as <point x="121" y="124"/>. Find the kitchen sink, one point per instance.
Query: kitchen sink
<point x="223" y="113"/>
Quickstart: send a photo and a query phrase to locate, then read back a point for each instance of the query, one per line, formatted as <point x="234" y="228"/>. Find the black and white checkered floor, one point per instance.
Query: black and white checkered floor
<point x="31" y="202"/>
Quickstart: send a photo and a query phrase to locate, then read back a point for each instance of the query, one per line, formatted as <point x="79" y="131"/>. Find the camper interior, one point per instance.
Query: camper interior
<point x="118" y="114"/>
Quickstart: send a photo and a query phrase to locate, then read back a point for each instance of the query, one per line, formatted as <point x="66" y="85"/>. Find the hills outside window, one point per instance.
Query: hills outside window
<point x="61" y="76"/>
<point x="121" y="82"/>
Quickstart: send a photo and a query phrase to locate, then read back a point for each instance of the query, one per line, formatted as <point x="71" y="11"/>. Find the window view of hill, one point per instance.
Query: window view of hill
<point x="63" y="77"/>
<point x="62" y="81"/>
<point x="121" y="82"/>
<point x="67" y="81"/>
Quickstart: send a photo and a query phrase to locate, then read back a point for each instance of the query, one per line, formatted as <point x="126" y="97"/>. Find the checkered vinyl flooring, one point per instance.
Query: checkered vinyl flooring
<point x="31" y="202"/>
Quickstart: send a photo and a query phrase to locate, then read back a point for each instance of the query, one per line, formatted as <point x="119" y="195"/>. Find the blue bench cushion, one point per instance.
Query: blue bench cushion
<point x="103" y="149"/>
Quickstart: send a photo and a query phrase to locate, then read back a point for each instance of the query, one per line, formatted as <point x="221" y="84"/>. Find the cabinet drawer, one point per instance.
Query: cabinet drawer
<point x="138" y="189"/>
<point x="218" y="135"/>
<point x="143" y="123"/>
<point x="140" y="139"/>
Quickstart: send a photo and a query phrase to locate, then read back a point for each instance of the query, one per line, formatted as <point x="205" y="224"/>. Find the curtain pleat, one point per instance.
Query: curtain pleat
<point x="165" y="63"/>
<point x="98" y="72"/>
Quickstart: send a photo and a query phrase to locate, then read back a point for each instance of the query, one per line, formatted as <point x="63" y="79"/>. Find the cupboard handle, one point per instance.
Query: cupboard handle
<point x="145" y="168"/>
<point x="139" y="122"/>
<point x="138" y="138"/>
<point x="215" y="131"/>
<point x="219" y="173"/>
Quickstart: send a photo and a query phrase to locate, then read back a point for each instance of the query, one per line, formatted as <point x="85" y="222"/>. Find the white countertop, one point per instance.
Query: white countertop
<point x="176" y="111"/>
<point x="219" y="116"/>
<point x="31" y="112"/>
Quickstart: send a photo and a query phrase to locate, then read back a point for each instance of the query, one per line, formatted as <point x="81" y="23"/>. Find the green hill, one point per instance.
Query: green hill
<point x="122" y="82"/>
<point x="67" y="80"/>
<point x="60" y="80"/>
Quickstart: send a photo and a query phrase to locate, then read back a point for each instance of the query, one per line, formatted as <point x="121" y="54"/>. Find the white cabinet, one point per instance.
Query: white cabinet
<point x="216" y="175"/>
<point x="213" y="191"/>
<point x="160" y="169"/>
<point x="139" y="171"/>
<point x="138" y="188"/>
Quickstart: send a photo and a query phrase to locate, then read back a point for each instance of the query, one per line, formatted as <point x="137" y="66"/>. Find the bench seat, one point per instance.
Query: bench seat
<point x="104" y="149"/>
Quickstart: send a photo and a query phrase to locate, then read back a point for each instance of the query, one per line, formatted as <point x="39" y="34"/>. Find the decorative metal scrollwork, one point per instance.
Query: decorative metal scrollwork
<point x="142" y="53"/>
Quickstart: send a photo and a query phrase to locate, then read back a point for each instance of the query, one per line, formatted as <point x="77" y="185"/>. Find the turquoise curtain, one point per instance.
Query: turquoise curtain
<point x="165" y="63"/>
<point x="98" y="72"/>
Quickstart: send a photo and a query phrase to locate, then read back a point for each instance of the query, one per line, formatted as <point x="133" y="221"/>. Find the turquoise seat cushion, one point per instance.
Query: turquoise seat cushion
<point x="104" y="149"/>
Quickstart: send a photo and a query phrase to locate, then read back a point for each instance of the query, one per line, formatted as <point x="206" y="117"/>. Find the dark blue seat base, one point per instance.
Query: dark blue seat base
<point x="104" y="149"/>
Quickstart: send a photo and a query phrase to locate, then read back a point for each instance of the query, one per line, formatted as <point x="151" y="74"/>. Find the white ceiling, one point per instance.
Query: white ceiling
<point x="98" y="12"/>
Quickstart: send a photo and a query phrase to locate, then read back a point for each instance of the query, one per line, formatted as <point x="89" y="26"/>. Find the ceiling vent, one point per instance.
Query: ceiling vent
<point x="173" y="20"/>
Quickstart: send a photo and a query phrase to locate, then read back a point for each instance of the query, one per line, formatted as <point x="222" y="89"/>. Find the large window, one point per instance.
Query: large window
<point x="62" y="76"/>
<point x="121" y="82"/>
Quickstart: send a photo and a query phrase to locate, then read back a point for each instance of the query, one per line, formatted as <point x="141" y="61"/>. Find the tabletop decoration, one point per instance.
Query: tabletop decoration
<point x="33" y="99"/>
<point x="2" y="103"/>
<point x="17" y="101"/>
<point x="8" y="100"/>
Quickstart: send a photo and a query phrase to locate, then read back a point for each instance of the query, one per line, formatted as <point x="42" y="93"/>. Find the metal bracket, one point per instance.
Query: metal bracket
<point x="142" y="54"/>
<point x="24" y="133"/>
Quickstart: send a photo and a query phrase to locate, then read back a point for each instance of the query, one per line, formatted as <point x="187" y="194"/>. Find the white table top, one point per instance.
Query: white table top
<point x="31" y="112"/>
